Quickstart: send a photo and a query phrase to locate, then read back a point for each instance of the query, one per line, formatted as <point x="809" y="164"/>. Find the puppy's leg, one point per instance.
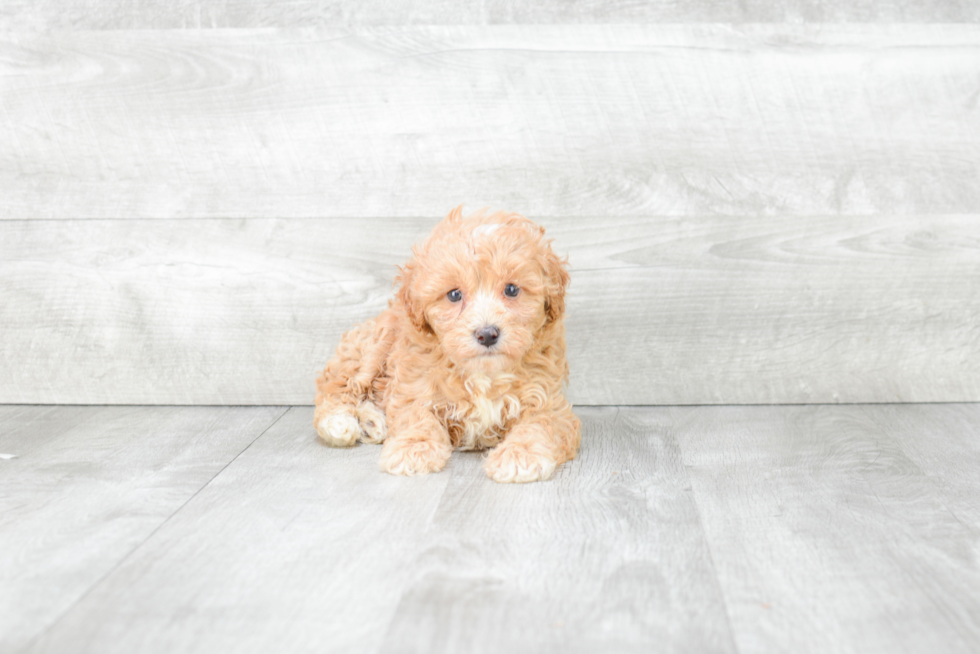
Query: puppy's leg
<point x="418" y="443"/>
<point x="342" y="425"/>
<point x="535" y="446"/>
<point x="374" y="427"/>
<point x="336" y="425"/>
<point x="344" y="414"/>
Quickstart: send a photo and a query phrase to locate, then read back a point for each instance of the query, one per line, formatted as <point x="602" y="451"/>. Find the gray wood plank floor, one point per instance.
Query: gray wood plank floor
<point x="89" y="485"/>
<point x="703" y="529"/>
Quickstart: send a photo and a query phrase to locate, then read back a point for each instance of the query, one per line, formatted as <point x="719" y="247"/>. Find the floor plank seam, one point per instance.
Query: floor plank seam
<point x="30" y="643"/>
<point x="708" y="546"/>
<point x="424" y="538"/>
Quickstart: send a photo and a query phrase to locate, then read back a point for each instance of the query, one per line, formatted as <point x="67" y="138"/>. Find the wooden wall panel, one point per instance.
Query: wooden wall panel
<point x="661" y="310"/>
<point x="756" y="213"/>
<point x="607" y="120"/>
<point x="198" y="14"/>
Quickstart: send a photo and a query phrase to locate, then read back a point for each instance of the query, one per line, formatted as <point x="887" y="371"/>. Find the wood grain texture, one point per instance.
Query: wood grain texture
<point x="88" y="486"/>
<point x="564" y="120"/>
<point x="661" y="310"/>
<point x="696" y="529"/>
<point x="610" y="556"/>
<point x="826" y="537"/>
<point x="157" y="14"/>
<point x="300" y="548"/>
<point x="943" y="442"/>
<point x="296" y="547"/>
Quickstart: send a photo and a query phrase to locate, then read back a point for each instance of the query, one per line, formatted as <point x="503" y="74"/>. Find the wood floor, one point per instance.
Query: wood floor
<point x="698" y="529"/>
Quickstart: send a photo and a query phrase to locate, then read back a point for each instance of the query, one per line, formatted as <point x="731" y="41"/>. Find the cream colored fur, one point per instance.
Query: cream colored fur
<point x="417" y="379"/>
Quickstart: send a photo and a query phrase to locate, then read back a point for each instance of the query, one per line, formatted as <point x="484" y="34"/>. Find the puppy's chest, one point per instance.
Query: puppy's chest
<point x="479" y="421"/>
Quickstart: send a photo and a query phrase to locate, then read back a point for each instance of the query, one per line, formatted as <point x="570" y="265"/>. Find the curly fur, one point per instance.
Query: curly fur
<point x="417" y="379"/>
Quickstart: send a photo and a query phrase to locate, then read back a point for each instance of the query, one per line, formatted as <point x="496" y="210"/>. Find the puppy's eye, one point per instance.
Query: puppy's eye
<point x="454" y="295"/>
<point x="511" y="291"/>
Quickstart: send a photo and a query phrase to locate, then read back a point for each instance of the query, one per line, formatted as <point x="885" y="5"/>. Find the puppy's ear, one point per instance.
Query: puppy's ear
<point x="556" y="272"/>
<point x="414" y="308"/>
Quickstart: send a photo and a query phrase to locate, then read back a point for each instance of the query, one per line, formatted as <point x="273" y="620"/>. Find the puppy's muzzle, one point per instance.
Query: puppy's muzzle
<point x="487" y="335"/>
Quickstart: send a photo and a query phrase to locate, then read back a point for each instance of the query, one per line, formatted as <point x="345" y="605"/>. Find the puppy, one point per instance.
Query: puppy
<point x="469" y="355"/>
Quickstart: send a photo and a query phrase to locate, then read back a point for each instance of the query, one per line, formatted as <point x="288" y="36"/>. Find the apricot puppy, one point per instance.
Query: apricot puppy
<point x="469" y="355"/>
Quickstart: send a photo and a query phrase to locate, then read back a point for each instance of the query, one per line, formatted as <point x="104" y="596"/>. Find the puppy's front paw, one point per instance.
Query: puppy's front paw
<point x="339" y="429"/>
<point x="519" y="462"/>
<point x="414" y="455"/>
<point x="373" y="424"/>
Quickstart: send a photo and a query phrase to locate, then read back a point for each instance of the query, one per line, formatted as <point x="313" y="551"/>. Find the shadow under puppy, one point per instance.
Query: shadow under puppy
<point x="469" y="355"/>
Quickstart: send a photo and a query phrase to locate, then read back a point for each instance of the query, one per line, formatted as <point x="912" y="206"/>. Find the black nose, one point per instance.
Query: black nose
<point x="487" y="335"/>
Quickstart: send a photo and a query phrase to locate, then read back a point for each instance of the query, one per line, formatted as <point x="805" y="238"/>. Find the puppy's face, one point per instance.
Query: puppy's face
<point x="485" y="286"/>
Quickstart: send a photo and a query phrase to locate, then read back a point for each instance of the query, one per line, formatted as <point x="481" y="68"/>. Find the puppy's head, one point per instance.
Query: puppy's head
<point x="486" y="286"/>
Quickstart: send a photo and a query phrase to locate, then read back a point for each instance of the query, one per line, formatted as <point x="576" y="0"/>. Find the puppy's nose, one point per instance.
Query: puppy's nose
<point x="487" y="335"/>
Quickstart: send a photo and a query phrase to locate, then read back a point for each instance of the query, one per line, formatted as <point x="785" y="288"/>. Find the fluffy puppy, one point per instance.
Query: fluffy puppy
<point x="469" y="355"/>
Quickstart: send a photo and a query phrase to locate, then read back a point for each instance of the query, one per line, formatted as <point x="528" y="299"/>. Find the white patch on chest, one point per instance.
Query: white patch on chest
<point x="482" y="419"/>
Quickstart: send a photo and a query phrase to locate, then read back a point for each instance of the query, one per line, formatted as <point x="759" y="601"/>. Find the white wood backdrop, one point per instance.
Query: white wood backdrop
<point x="157" y="14"/>
<point x="753" y="213"/>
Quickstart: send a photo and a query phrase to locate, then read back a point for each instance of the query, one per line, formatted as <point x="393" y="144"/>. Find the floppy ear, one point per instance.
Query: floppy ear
<point x="556" y="271"/>
<point x="413" y="307"/>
